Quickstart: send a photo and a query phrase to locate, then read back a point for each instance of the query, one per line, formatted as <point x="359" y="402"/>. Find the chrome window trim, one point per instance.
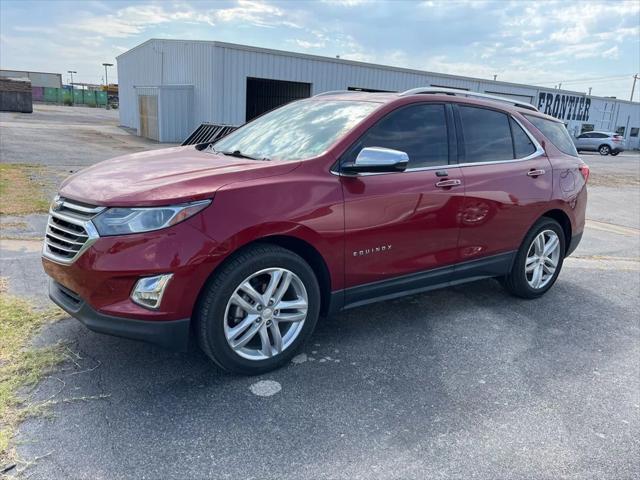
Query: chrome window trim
<point x="538" y="152"/>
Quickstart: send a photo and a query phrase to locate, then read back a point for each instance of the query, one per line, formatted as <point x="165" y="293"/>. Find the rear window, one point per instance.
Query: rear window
<point x="522" y="144"/>
<point x="556" y="133"/>
<point x="487" y="135"/>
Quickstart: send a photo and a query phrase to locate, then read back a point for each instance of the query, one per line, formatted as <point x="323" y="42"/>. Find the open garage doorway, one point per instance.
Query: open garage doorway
<point x="264" y="94"/>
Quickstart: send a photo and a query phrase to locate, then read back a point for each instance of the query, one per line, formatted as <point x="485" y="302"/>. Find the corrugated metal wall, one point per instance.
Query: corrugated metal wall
<point x="38" y="79"/>
<point x="219" y="71"/>
<point x="176" y="113"/>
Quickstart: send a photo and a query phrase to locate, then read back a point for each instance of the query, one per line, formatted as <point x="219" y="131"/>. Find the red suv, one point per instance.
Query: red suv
<point x="324" y="204"/>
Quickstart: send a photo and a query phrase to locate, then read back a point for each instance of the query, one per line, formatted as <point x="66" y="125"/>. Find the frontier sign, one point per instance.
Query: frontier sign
<point x="564" y="107"/>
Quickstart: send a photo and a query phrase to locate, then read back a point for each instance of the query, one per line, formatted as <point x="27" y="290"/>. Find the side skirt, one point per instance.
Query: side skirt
<point x="493" y="266"/>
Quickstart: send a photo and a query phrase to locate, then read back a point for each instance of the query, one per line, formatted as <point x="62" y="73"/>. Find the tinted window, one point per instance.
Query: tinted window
<point x="487" y="136"/>
<point x="522" y="144"/>
<point x="299" y="130"/>
<point x="418" y="130"/>
<point x="599" y="135"/>
<point x="556" y="132"/>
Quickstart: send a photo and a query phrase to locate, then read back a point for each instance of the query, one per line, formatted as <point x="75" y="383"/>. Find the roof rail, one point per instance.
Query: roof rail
<point x="333" y="92"/>
<point x="466" y="93"/>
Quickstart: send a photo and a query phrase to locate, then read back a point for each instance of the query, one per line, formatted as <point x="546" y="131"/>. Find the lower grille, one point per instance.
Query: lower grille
<point x="69" y="230"/>
<point x="70" y="297"/>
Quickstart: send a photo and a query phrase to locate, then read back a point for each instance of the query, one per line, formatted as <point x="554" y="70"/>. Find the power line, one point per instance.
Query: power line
<point x="587" y="79"/>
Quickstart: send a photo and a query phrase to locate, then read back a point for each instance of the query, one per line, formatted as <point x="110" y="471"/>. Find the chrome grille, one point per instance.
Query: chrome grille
<point x="69" y="230"/>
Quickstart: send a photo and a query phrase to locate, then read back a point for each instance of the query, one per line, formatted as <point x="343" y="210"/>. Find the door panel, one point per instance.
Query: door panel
<point x="502" y="201"/>
<point x="400" y="223"/>
<point x="505" y="188"/>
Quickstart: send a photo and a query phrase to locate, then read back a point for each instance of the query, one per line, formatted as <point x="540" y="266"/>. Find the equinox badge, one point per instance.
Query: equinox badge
<point x="367" y="251"/>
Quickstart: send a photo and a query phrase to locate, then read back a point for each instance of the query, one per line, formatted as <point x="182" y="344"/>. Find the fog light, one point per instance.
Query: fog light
<point x="149" y="290"/>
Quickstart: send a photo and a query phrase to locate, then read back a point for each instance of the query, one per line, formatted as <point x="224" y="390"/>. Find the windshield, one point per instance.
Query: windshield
<point x="299" y="130"/>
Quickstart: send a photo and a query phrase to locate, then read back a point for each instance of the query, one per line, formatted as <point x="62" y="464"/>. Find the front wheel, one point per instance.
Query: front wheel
<point x="604" y="150"/>
<point x="258" y="310"/>
<point x="538" y="261"/>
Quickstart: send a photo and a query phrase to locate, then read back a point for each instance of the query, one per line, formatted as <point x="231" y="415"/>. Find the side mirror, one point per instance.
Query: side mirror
<point x="376" y="160"/>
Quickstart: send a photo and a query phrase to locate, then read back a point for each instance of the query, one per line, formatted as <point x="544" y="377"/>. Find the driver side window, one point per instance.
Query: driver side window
<point x="418" y="130"/>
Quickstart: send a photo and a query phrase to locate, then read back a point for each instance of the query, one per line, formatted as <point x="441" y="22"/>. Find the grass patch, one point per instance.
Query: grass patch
<point x="21" y="366"/>
<point x="21" y="190"/>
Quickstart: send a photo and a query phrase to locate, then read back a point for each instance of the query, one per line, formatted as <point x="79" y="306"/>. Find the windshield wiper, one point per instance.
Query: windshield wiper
<point x="239" y="154"/>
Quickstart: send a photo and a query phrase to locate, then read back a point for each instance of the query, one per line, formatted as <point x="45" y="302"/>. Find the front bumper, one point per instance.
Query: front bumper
<point x="172" y="334"/>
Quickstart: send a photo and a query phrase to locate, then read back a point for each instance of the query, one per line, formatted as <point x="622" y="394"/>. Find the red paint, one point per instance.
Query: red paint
<point x="425" y="226"/>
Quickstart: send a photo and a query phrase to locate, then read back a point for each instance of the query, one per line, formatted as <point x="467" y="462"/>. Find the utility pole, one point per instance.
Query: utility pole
<point x="106" y="82"/>
<point x="635" y="77"/>
<point x="72" y="72"/>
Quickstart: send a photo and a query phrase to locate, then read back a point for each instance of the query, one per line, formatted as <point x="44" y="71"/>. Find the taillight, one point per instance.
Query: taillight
<point x="584" y="170"/>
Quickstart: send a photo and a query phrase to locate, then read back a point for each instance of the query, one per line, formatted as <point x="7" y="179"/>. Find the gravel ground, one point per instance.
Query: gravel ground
<point x="465" y="382"/>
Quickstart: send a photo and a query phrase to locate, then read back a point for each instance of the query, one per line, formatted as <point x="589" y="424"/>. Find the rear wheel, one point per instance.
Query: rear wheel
<point x="614" y="153"/>
<point x="604" y="150"/>
<point x="258" y="310"/>
<point x="538" y="261"/>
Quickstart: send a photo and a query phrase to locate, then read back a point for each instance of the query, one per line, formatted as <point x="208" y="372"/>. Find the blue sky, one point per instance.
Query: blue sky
<point x="580" y="44"/>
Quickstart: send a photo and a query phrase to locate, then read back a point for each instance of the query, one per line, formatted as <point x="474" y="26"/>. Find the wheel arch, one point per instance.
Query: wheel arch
<point x="565" y="222"/>
<point x="604" y="145"/>
<point x="301" y="247"/>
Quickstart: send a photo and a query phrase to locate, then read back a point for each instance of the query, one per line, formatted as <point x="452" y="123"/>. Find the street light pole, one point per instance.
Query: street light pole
<point x="72" y="72"/>
<point x="635" y="77"/>
<point x="106" y="81"/>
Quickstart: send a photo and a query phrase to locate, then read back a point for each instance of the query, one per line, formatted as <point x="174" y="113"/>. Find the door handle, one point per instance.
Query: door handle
<point x="448" y="183"/>
<point x="536" y="172"/>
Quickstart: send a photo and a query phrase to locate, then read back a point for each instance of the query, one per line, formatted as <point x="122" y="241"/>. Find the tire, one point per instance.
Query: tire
<point x="518" y="281"/>
<point x="614" y="153"/>
<point x="604" y="150"/>
<point x="217" y="314"/>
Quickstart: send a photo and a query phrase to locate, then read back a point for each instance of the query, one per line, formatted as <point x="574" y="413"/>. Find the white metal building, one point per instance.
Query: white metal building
<point x="169" y="87"/>
<point x="38" y="79"/>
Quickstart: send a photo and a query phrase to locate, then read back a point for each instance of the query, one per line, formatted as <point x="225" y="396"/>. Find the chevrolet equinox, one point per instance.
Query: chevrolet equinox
<point x="324" y="204"/>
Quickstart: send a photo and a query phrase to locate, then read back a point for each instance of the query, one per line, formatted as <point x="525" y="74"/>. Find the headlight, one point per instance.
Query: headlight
<point x="121" y="221"/>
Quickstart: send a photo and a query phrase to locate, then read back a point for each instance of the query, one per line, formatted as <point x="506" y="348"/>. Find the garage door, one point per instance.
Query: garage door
<point x="264" y="94"/>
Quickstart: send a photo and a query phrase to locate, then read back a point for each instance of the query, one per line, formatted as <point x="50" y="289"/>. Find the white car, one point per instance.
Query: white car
<point x="606" y="143"/>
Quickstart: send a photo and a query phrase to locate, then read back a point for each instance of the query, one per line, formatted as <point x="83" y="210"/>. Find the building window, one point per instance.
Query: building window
<point x="634" y="131"/>
<point x="587" y="127"/>
<point x="620" y="131"/>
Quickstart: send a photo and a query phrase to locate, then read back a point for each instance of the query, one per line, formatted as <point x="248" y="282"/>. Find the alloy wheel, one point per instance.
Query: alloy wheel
<point x="265" y="313"/>
<point x="542" y="259"/>
<point x="604" y="150"/>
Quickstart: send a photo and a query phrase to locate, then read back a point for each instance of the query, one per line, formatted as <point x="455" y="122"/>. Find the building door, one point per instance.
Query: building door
<point x="264" y="94"/>
<point x="148" y="110"/>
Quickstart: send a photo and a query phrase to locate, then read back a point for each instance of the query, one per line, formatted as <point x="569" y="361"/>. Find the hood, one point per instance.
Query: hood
<point x="161" y="177"/>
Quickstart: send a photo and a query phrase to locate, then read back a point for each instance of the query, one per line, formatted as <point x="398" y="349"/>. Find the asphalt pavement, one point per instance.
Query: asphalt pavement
<point x="465" y="382"/>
